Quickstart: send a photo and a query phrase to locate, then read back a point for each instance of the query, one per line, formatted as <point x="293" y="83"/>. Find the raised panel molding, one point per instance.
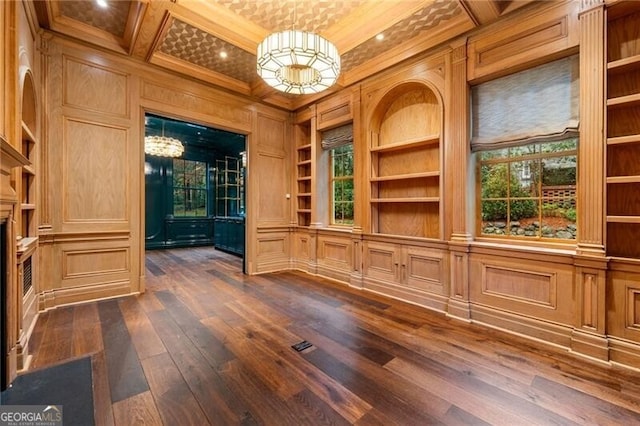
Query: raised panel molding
<point x="506" y="47"/>
<point x="521" y="285"/>
<point x="85" y="263"/>
<point x="91" y="87"/>
<point x="271" y="134"/>
<point x="93" y="155"/>
<point x="271" y="189"/>
<point x="633" y="308"/>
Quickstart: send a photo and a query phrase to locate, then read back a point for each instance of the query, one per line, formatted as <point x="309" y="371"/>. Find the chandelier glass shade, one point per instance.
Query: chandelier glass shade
<point x="163" y="146"/>
<point x="298" y="62"/>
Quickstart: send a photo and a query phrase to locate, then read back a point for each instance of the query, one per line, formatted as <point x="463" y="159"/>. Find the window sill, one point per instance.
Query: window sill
<point x="542" y="247"/>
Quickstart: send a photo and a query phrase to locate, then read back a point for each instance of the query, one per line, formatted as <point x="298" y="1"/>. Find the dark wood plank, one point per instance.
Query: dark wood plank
<point x="153" y="267"/>
<point x="175" y="403"/>
<point x="220" y="404"/>
<point x="143" y="336"/>
<point x="126" y="377"/>
<point x="86" y="337"/>
<point x="56" y="342"/>
<point x="139" y="410"/>
<point x="102" y="409"/>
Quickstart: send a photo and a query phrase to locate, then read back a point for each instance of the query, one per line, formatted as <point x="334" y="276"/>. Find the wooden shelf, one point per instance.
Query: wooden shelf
<point x="304" y="210"/>
<point x="623" y="179"/>
<point x="623" y="65"/>
<point x="305" y="162"/>
<point x="407" y="144"/>
<point x="29" y="170"/>
<point x="624" y="101"/>
<point x="304" y="194"/>
<point x="623" y="219"/>
<point x="27" y="206"/>
<point x="407" y="200"/>
<point x="27" y="133"/>
<point x="623" y="140"/>
<point x="405" y="176"/>
<point x="304" y="178"/>
<point x="303" y="147"/>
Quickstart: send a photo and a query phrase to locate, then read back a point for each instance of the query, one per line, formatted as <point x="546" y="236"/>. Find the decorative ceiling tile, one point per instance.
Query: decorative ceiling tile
<point x="190" y="44"/>
<point x="408" y="28"/>
<point x="112" y="19"/>
<point x="278" y="15"/>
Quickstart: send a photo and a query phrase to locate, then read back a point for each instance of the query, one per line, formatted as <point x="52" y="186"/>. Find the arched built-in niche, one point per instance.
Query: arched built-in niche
<point x="406" y="162"/>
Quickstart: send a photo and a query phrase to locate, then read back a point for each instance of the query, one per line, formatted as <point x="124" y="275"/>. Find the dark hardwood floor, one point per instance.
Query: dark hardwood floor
<point x="208" y="345"/>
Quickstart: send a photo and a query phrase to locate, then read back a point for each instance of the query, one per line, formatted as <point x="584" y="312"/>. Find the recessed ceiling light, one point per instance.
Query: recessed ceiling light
<point x="223" y="55"/>
<point x="380" y="37"/>
<point x="102" y="3"/>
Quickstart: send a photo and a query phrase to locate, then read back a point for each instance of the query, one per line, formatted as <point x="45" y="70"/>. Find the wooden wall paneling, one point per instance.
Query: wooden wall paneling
<point x="623" y="311"/>
<point x="458" y="206"/>
<point x="335" y="111"/>
<point x="273" y="249"/>
<point x="534" y="297"/>
<point x="592" y="143"/>
<point x="334" y="255"/>
<point x="589" y="335"/>
<point x="523" y="40"/>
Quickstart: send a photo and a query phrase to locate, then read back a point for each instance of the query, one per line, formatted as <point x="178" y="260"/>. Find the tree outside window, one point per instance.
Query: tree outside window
<point x="342" y="185"/>
<point x="189" y="188"/>
<point x="529" y="191"/>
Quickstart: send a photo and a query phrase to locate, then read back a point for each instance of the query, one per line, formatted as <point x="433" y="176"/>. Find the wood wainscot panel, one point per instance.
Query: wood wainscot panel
<point x="426" y="270"/>
<point x="83" y="266"/>
<point x="623" y="301"/>
<point x="86" y="263"/>
<point x="523" y="41"/>
<point x="380" y="261"/>
<point x="95" y="154"/>
<point x="272" y="250"/>
<point x="335" y="257"/>
<point x="302" y="251"/>
<point x="530" y="294"/>
<point x="90" y="87"/>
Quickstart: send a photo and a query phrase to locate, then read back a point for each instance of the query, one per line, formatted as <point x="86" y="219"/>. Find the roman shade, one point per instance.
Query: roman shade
<point x="537" y="104"/>
<point x="337" y="137"/>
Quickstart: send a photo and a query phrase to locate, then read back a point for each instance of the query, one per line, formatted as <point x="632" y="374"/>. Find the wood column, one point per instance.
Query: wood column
<point x="360" y="182"/>
<point x="457" y="188"/>
<point x="588" y="337"/>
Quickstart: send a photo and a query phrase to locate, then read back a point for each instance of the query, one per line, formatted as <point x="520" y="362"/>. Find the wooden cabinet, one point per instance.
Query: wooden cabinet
<point x="623" y="129"/>
<point x="409" y="272"/>
<point x="303" y="172"/>
<point x="405" y="167"/>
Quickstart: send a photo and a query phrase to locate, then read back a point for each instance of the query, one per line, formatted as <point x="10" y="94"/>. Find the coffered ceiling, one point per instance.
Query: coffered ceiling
<point x="190" y="36"/>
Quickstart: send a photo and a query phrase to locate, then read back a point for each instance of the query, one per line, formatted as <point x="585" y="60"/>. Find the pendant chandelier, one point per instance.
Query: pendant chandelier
<point x="163" y="146"/>
<point x="298" y="62"/>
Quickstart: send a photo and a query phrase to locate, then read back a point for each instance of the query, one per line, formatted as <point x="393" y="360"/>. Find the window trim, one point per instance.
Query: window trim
<point x="332" y="180"/>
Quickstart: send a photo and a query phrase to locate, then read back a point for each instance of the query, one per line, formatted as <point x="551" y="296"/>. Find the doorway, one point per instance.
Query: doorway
<point x="197" y="198"/>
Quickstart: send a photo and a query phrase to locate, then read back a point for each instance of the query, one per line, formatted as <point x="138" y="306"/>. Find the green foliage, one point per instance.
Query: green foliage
<point x="570" y="214"/>
<point x="495" y="185"/>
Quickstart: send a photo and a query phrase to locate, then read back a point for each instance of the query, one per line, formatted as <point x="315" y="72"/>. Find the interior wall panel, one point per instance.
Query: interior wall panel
<point x="96" y="169"/>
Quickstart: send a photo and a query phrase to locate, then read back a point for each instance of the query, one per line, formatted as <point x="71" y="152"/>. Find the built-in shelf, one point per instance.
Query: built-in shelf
<point x="407" y="144"/>
<point x="405" y="176"/>
<point x="304" y="194"/>
<point x="623" y="219"/>
<point x="624" y="101"/>
<point x="27" y="133"/>
<point x="27" y="206"/>
<point x="302" y="163"/>
<point x="624" y="65"/>
<point x="623" y="129"/>
<point x="304" y="178"/>
<point x="304" y="210"/>
<point x="407" y="200"/>
<point x="623" y="179"/>
<point x="623" y="139"/>
<point x="304" y="147"/>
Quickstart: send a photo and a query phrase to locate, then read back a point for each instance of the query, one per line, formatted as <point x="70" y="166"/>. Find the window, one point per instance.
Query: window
<point x="342" y="185"/>
<point x="529" y="191"/>
<point x="189" y="188"/>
